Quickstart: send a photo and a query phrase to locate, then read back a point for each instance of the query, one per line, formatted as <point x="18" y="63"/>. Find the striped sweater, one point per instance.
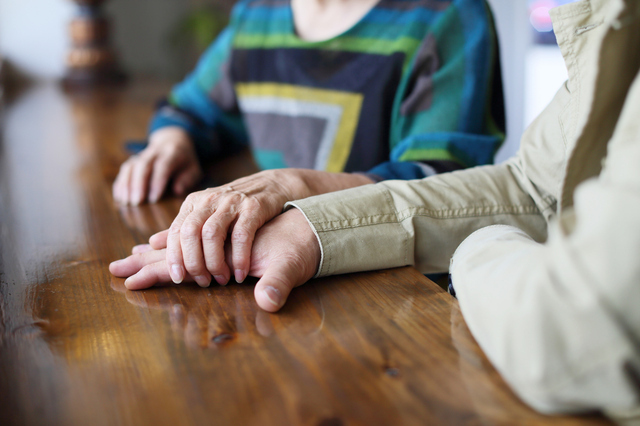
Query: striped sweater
<point x="410" y="90"/>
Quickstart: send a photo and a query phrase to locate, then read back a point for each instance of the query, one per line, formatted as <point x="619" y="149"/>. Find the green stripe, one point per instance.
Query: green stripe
<point x="350" y="44"/>
<point x="422" y="154"/>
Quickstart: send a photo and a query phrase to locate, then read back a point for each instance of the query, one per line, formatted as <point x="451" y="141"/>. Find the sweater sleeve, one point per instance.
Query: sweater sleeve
<point x="204" y="103"/>
<point x="448" y="112"/>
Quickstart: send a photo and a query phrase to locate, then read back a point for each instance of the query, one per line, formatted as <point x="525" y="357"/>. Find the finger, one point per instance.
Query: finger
<point x="132" y="264"/>
<point x="140" y="178"/>
<point x="272" y="290"/>
<point x="187" y="178"/>
<point x="150" y="275"/>
<point x="174" y="248"/>
<point x="159" y="240"/>
<point x="214" y="234"/>
<point x="242" y="237"/>
<point x="141" y="248"/>
<point x="121" y="184"/>
<point x="162" y="170"/>
<point x="191" y="242"/>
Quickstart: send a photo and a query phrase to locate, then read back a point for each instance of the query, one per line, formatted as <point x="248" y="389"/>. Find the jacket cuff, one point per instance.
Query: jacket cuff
<point x="358" y="230"/>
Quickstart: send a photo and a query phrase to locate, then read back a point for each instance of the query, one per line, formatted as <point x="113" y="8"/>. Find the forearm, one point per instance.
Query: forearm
<point x="315" y="182"/>
<point x="297" y="184"/>
<point x="420" y="223"/>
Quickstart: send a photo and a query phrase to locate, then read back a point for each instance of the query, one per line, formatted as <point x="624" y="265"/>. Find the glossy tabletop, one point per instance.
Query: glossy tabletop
<point x="77" y="348"/>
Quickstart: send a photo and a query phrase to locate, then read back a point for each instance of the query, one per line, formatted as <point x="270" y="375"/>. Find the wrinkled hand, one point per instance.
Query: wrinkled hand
<point x="284" y="255"/>
<point x="170" y="154"/>
<point x="196" y="239"/>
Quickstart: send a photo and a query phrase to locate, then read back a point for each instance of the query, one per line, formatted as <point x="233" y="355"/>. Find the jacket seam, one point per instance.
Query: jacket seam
<point x="402" y="216"/>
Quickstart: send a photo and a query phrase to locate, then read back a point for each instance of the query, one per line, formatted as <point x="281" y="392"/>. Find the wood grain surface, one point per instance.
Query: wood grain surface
<point x="77" y="348"/>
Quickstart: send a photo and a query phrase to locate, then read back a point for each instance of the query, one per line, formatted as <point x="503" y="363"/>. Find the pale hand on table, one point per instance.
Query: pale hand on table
<point x="284" y="255"/>
<point x="234" y="212"/>
<point x="169" y="155"/>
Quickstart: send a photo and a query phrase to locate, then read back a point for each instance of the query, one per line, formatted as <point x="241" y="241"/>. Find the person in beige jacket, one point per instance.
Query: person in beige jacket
<point x="543" y="250"/>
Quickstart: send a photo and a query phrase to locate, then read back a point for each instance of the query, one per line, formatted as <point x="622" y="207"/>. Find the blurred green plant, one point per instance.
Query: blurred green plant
<point x="199" y="27"/>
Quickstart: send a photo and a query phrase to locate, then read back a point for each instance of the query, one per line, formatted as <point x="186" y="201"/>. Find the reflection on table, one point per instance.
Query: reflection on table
<point x="76" y="347"/>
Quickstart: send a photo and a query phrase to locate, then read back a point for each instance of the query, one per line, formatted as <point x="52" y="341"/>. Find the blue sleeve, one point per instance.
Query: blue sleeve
<point x="204" y="103"/>
<point x="449" y="106"/>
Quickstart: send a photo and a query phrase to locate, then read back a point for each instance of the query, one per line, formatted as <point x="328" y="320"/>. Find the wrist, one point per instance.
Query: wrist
<point x="315" y="182"/>
<point x="294" y="183"/>
<point x="174" y="135"/>
<point x="308" y="239"/>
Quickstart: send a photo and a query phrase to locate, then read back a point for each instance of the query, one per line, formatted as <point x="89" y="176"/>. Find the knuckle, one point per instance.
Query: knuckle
<point x="174" y="228"/>
<point x="215" y="266"/>
<point x="211" y="231"/>
<point x="190" y="229"/>
<point x="161" y="165"/>
<point x="129" y="161"/>
<point x="193" y="265"/>
<point x="252" y="203"/>
<point x="192" y="198"/>
<point x="240" y="236"/>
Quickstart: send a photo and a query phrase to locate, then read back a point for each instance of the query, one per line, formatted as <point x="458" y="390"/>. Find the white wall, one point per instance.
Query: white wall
<point x="33" y="35"/>
<point x="514" y="31"/>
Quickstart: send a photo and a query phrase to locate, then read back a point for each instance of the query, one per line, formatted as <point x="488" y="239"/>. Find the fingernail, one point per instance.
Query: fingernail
<point x="153" y="196"/>
<point x="221" y="279"/>
<point x="127" y="282"/>
<point x="177" y="274"/>
<point x="203" y="281"/>
<point x="135" y="198"/>
<point x="273" y="294"/>
<point x="240" y="275"/>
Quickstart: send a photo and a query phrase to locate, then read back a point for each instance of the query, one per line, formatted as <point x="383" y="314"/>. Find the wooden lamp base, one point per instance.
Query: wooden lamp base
<point x="91" y="60"/>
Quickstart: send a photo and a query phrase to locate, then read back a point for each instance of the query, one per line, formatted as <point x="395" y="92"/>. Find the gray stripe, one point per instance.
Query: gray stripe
<point x="419" y="94"/>
<point x="296" y="138"/>
<point x="332" y="114"/>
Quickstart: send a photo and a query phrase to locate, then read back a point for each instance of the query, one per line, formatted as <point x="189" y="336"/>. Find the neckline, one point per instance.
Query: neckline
<point x="294" y="33"/>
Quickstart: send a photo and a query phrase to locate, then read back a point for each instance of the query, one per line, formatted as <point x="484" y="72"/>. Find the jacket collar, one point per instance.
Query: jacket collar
<point x="585" y="32"/>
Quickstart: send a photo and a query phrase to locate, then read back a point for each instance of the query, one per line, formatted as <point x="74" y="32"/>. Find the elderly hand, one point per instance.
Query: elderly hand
<point x="285" y="254"/>
<point x="196" y="239"/>
<point x="170" y="154"/>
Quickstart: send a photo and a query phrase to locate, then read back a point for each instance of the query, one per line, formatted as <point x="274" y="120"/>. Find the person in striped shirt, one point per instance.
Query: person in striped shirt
<point x="328" y="95"/>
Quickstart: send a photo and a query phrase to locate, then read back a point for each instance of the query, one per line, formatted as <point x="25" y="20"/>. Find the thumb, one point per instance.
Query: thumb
<point x="272" y="290"/>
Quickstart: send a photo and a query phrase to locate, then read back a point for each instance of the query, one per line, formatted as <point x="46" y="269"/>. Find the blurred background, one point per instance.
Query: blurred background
<point x="161" y="39"/>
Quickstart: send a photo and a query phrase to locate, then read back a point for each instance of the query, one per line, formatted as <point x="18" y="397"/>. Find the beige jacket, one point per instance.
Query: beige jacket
<point x="547" y="245"/>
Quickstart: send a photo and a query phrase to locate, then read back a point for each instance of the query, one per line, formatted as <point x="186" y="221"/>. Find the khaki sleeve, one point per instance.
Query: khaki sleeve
<point x="420" y="223"/>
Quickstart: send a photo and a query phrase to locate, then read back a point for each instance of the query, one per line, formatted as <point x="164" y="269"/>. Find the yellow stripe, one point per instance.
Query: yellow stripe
<point x="351" y="104"/>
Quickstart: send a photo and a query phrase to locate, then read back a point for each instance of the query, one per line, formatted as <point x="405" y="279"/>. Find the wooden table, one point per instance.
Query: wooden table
<point x="76" y="348"/>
